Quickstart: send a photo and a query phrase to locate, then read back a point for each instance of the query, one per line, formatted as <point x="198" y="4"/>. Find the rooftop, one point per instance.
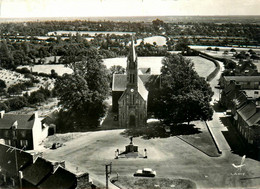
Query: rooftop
<point x="23" y="121"/>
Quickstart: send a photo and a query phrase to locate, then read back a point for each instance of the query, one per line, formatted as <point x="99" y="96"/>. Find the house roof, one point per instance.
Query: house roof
<point x="241" y="99"/>
<point x="247" y="111"/>
<point x="242" y="78"/>
<point x="7" y="158"/>
<point x="36" y="172"/>
<point x="254" y="119"/>
<point x="142" y="90"/>
<point x="24" y="121"/>
<point x="61" y="179"/>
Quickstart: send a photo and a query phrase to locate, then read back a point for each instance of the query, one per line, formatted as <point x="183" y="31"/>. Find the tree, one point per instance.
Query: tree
<point x="209" y="49"/>
<point x="82" y="93"/>
<point x="117" y="69"/>
<point x="183" y="96"/>
<point x="182" y="44"/>
<point x="2" y="85"/>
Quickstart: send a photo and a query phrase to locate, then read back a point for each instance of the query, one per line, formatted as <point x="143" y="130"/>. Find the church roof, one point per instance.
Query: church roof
<point x="145" y="70"/>
<point x="120" y="81"/>
<point x="142" y="90"/>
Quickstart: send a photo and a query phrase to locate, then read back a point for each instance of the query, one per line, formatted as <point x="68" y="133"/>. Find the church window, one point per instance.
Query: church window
<point x="130" y="78"/>
<point x="140" y="116"/>
<point x="123" y="116"/>
<point x="132" y="99"/>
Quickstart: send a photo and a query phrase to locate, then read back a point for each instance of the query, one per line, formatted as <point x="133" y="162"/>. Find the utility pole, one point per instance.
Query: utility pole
<point x="108" y="172"/>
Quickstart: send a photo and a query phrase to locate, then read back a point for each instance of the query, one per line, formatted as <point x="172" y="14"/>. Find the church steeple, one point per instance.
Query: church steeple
<point x="132" y="67"/>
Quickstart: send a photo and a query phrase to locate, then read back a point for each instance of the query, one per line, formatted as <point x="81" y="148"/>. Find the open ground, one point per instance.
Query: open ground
<point x="171" y="157"/>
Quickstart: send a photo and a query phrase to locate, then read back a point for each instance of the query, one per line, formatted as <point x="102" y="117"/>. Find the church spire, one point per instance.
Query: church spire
<point x="133" y="54"/>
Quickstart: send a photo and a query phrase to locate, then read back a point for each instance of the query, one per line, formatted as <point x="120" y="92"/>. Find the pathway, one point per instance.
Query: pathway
<point x="215" y="126"/>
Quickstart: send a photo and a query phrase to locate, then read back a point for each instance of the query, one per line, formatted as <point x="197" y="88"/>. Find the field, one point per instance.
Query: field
<point x="60" y="69"/>
<point x="159" y="40"/>
<point x="203" y="66"/>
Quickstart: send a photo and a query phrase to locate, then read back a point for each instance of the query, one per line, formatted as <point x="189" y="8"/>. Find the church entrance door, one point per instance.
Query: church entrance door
<point x="132" y="121"/>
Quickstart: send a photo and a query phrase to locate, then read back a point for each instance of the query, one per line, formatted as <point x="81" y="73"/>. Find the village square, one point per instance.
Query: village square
<point x="130" y="104"/>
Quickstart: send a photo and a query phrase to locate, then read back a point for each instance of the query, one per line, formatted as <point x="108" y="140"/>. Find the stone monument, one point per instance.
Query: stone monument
<point x="131" y="148"/>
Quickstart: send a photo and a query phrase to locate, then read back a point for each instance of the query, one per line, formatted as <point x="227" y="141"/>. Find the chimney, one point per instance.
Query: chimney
<point x="58" y="164"/>
<point x="83" y="180"/>
<point x="36" y="115"/>
<point x="2" y="114"/>
<point x="36" y="155"/>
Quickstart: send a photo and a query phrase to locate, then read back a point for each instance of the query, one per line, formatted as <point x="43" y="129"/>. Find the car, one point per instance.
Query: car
<point x="145" y="172"/>
<point x="56" y="145"/>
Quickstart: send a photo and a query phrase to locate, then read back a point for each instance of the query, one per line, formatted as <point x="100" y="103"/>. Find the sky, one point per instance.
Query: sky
<point x="104" y="8"/>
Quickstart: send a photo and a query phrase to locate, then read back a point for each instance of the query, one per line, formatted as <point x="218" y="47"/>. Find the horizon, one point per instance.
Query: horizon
<point x="126" y="8"/>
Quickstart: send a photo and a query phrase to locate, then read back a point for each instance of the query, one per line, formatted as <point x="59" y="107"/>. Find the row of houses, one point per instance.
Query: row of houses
<point x="20" y="169"/>
<point x="240" y="95"/>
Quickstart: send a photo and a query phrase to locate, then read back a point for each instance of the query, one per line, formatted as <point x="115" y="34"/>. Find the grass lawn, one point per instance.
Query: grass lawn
<point x="202" y="140"/>
<point x="150" y="183"/>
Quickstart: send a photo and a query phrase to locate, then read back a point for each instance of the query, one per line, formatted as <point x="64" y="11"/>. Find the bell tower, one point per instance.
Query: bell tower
<point x="131" y="69"/>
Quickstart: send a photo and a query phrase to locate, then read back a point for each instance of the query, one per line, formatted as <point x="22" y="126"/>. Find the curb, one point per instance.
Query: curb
<point x="213" y="137"/>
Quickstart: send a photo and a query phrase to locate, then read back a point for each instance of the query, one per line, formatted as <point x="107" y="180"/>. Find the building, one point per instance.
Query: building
<point x="20" y="169"/>
<point x="245" y="111"/>
<point x="22" y="131"/>
<point x="129" y="95"/>
<point x="246" y="82"/>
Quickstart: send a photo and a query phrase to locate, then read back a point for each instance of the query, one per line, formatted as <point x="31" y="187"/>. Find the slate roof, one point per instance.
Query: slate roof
<point x="243" y="78"/>
<point x="37" y="171"/>
<point x="61" y="179"/>
<point x="241" y="99"/>
<point x="142" y="90"/>
<point x="24" y="121"/>
<point x="254" y="119"/>
<point x="247" y="111"/>
<point x="120" y="81"/>
<point x="7" y="158"/>
<point x="145" y="70"/>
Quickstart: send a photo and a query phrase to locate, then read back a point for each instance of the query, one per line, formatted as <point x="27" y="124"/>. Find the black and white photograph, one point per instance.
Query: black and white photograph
<point x="129" y="94"/>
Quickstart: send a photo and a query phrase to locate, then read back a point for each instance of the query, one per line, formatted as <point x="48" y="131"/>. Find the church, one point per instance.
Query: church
<point x="129" y="95"/>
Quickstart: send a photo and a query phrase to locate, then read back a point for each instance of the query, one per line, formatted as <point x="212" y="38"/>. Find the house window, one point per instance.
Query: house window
<point x="8" y="142"/>
<point x="23" y="133"/>
<point x="140" y="116"/>
<point x="23" y="142"/>
<point x="256" y="92"/>
<point x="6" y="133"/>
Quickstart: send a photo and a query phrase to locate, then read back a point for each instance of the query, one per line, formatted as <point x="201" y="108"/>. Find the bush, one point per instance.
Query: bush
<point x="17" y="103"/>
<point x="3" y="106"/>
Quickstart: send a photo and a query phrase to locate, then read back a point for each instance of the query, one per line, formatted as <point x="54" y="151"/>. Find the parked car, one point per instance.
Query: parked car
<point x="145" y="172"/>
<point x="56" y="145"/>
